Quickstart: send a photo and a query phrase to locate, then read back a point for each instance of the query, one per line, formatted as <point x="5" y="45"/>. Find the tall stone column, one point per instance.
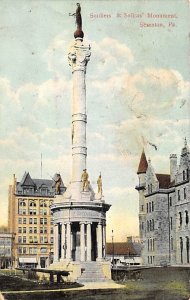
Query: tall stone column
<point x="63" y="241"/>
<point x="68" y="238"/>
<point x="82" y="242"/>
<point x="89" y="242"/>
<point x="78" y="56"/>
<point x="99" y="240"/>
<point x="104" y="240"/>
<point x="56" y="234"/>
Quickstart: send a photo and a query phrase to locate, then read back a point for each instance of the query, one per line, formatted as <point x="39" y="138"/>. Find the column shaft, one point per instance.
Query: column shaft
<point x="99" y="240"/>
<point x="56" y="243"/>
<point x="89" y="242"/>
<point x="63" y="241"/>
<point x="68" y="250"/>
<point x="104" y="240"/>
<point x="82" y="242"/>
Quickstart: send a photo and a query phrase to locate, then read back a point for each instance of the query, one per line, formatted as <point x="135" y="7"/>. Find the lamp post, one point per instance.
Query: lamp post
<point x="112" y="249"/>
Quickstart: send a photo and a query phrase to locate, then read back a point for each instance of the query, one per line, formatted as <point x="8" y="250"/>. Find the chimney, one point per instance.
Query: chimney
<point x="173" y="166"/>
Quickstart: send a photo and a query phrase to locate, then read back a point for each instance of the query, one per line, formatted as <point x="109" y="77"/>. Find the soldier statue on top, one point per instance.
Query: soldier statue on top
<point x="58" y="184"/>
<point x="85" y="182"/>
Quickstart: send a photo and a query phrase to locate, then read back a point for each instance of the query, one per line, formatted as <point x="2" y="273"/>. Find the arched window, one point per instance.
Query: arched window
<point x="187" y="248"/>
<point x="180" y="218"/>
<point x="184" y="193"/>
<point x="181" y="248"/>
<point x="186" y="217"/>
<point x="147" y="225"/>
<point x="152" y="224"/>
<point x="22" y="203"/>
<point x="32" y="204"/>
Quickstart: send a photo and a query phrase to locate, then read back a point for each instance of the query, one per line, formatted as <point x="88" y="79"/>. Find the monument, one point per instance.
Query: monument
<point x="80" y="214"/>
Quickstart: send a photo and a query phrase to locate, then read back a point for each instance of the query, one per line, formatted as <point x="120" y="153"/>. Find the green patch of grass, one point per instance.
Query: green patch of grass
<point x="179" y="287"/>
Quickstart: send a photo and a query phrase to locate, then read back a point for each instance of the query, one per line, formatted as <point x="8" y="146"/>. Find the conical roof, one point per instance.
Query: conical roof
<point x="143" y="164"/>
<point x="27" y="180"/>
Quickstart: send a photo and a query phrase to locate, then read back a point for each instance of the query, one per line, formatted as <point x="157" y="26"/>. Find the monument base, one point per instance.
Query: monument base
<point x="82" y="272"/>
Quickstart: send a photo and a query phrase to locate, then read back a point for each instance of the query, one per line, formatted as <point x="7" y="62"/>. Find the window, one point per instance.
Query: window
<point x="170" y="201"/>
<point x="45" y="230"/>
<point x="41" y="230"/>
<point x="43" y="250"/>
<point x="19" y="220"/>
<point x="187" y="172"/>
<point x="24" y="239"/>
<point x="147" y="225"/>
<point x="45" y="239"/>
<point x="24" y="220"/>
<point x="51" y="240"/>
<point x="148" y="245"/>
<point x="20" y="250"/>
<point x="30" y="239"/>
<point x="142" y="225"/>
<point x="24" y="250"/>
<point x="184" y="193"/>
<point x="183" y="175"/>
<point x="187" y="248"/>
<point x="142" y="207"/>
<point x="35" y="220"/>
<point x="153" y="245"/>
<point x="32" y="211"/>
<point x="21" y="203"/>
<point x="32" y="204"/>
<point x="152" y="224"/>
<point x="35" y="240"/>
<point x="181" y="248"/>
<point x="147" y="207"/>
<point x="35" y="229"/>
<point x="172" y="244"/>
<point x="151" y="187"/>
<point x="19" y="239"/>
<point x="186" y="217"/>
<point x="180" y="218"/>
<point x="30" y="221"/>
<point x="24" y="229"/>
<point x="178" y="194"/>
<point x="52" y="229"/>
<point x="20" y="230"/>
<point x="152" y="206"/>
<point x="41" y="239"/>
<point x="30" y="230"/>
<point x="171" y="223"/>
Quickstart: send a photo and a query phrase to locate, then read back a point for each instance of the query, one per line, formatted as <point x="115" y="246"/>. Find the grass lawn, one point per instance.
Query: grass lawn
<point x="156" y="284"/>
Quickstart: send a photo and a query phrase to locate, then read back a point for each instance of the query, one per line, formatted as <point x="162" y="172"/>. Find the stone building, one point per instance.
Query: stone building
<point x="164" y="206"/>
<point x="6" y="248"/>
<point x="30" y="220"/>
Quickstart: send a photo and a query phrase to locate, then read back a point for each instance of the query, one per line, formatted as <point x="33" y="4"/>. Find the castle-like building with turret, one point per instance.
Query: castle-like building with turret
<point x="164" y="208"/>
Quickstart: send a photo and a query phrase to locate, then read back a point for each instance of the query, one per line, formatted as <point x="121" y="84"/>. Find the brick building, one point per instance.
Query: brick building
<point x="29" y="219"/>
<point x="164" y="206"/>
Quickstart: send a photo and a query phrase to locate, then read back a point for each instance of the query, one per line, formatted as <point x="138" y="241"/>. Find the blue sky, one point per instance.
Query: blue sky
<point x="137" y="94"/>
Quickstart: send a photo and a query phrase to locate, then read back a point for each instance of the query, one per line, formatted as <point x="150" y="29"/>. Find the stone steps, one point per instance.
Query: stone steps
<point x="92" y="272"/>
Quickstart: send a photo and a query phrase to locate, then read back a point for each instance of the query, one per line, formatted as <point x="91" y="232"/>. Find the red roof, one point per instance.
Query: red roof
<point x="143" y="165"/>
<point x="164" y="181"/>
<point x="120" y="249"/>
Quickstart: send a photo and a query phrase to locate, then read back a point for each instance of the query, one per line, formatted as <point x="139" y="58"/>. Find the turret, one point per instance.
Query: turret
<point x="173" y="166"/>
